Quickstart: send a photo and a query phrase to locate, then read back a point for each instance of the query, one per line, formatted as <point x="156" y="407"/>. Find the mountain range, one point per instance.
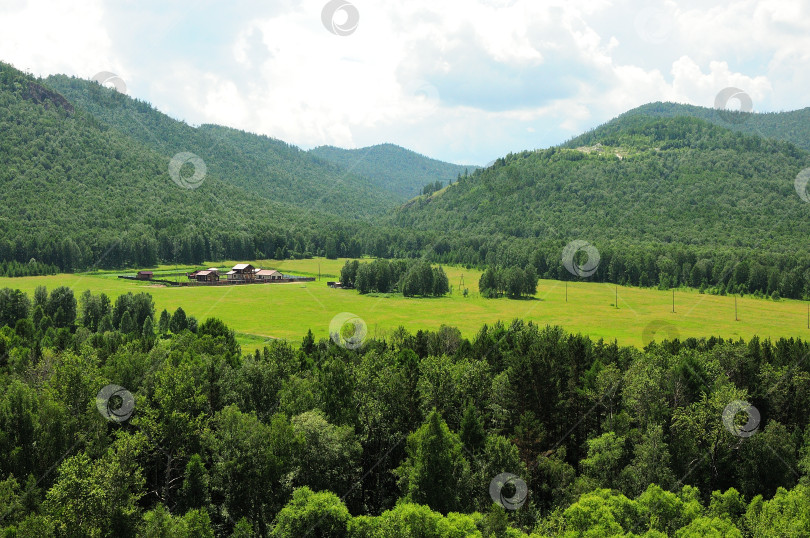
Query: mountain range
<point x="90" y="178"/>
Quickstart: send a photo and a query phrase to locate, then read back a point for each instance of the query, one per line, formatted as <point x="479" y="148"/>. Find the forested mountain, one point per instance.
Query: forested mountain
<point x="398" y="170"/>
<point x="792" y="126"/>
<point x="261" y="165"/>
<point x="665" y="201"/>
<point x="676" y="180"/>
<point x="655" y="196"/>
<point x="78" y="193"/>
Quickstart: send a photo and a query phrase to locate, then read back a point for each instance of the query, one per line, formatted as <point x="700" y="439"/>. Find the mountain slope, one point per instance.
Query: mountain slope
<point x="397" y="170"/>
<point x="261" y="165"/>
<point x="792" y="126"/>
<point x="677" y="180"/>
<point x="77" y="193"/>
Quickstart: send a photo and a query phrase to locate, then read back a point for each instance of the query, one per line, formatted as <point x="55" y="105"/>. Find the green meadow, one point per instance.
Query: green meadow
<point x="264" y="311"/>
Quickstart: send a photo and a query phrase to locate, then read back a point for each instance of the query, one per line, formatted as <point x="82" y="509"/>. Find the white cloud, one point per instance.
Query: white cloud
<point x="462" y="80"/>
<point x="48" y="37"/>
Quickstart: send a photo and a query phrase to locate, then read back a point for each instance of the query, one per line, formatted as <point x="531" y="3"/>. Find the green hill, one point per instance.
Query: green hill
<point x="792" y="126"/>
<point x="261" y="165"/>
<point x="655" y="196"/>
<point x="395" y="169"/>
<point x="78" y="194"/>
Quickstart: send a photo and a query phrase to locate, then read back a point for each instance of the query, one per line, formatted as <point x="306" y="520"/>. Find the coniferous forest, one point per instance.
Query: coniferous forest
<point x="139" y="423"/>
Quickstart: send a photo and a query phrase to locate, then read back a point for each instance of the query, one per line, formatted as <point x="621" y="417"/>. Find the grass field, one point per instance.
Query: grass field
<point x="259" y="312"/>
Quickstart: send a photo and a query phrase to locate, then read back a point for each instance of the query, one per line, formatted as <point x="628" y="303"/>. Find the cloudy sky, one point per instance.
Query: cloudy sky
<point x="461" y="80"/>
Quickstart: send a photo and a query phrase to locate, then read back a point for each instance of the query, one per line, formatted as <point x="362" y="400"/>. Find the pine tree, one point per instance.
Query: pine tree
<point x="435" y="471"/>
<point x="472" y="429"/>
<point x="127" y="325"/>
<point x="148" y="331"/>
<point x="194" y="493"/>
<point x="163" y="323"/>
<point x="178" y="323"/>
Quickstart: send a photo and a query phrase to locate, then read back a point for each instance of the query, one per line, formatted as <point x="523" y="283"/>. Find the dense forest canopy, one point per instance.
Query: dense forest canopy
<point x="793" y="126"/>
<point x="264" y="166"/>
<point x="116" y="421"/>
<point x="396" y="169"/>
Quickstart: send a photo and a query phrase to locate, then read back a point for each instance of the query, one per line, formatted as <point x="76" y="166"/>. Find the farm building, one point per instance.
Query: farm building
<point x="268" y="275"/>
<point x="242" y="272"/>
<point x="207" y="275"/>
<point x="144" y="275"/>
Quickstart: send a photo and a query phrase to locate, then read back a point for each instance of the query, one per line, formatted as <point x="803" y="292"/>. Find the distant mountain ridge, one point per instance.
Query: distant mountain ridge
<point x="396" y="169"/>
<point x="792" y="126"/>
<point x="264" y="166"/>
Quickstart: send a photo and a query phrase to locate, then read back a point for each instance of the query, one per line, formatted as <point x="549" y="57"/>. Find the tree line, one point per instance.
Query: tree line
<point x="410" y="278"/>
<point x="513" y="282"/>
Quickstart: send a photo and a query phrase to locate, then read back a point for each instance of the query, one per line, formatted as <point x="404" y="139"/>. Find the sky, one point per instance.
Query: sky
<point x="465" y="81"/>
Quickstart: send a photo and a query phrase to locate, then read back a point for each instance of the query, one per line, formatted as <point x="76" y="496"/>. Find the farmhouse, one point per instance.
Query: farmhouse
<point x="207" y="275"/>
<point x="144" y="275"/>
<point x="268" y="275"/>
<point x="241" y="272"/>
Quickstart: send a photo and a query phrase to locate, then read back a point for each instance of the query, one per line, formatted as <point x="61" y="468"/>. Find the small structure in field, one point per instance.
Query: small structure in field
<point x="242" y="272"/>
<point x="144" y="275"/>
<point x="337" y="285"/>
<point x="268" y="275"/>
<point x="207" y="275"/>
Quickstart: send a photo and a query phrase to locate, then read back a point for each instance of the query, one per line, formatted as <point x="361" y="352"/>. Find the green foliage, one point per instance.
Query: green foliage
<point x="397" y="170"/>
<point x="218" y="442"/>
<point x="179" y="322"/>
<point x="526" y="208"/>
<point x="158" y="523"/>
<point x="410" y="278"/>
<point x="435" y="471"/>
<point x="315" y="514"/>
<point x="513" y="282"/>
